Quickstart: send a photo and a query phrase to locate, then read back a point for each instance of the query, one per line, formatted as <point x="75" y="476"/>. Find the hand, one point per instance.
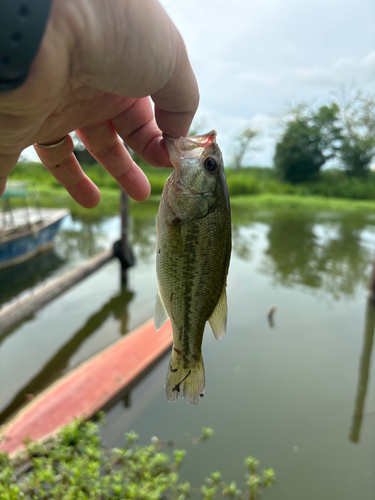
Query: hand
<point x="98" y="63"/>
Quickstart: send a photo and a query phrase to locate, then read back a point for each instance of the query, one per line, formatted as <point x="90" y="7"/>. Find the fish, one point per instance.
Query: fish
<point x="193" y="248"/>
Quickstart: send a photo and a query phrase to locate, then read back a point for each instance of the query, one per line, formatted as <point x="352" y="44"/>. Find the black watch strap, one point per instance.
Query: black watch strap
<point x="22" y="25"/>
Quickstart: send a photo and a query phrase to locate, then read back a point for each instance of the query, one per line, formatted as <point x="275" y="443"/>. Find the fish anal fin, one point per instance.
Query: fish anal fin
<point x="160" y="316"/>
<point x="218" y="319"/>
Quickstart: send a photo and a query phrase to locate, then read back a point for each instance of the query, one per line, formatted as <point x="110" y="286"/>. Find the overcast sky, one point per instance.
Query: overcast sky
<point x="253" y="57"/>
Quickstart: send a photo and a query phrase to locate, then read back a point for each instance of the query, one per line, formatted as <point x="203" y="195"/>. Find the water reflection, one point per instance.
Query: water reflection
<point x="143" y="237"/>
<point x="28" y="274"/>
<point x="364" y="372"/>
<point x="292" y="252"/>
<point x="308" y="250"/>
<point x="56" y="366"/>
<point x="241" y="242"/>
<point x="303" y="367"/>
<point x="83" y="237"/>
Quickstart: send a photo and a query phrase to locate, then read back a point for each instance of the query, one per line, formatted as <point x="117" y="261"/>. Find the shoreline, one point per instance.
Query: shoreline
<point x="109" y="204"/>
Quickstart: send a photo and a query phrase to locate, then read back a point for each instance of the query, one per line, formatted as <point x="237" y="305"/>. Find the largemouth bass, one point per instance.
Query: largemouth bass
<point x="192" y="257"/>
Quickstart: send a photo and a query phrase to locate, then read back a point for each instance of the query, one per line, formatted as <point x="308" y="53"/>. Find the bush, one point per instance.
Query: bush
<point x="76" y="466"/>
<point x="243" y="184"/>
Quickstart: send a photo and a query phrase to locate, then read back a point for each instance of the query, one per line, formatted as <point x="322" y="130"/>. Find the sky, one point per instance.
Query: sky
<point x="255" y="58"/>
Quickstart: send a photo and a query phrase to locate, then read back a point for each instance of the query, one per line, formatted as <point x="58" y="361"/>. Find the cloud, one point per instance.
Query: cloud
<point x="343" y="71"/>
<point x="253" y="57"/>
<point x="268" y="79"/>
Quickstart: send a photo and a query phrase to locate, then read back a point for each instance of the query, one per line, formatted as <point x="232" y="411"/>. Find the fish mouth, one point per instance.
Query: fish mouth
<point x="177" y="147"/>
<point x="187" y="148"/>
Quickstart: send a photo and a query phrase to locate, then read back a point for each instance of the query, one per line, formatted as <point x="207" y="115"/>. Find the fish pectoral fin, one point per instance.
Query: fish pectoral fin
<point x="160" y="316"/>
<point x="218" y="319"/>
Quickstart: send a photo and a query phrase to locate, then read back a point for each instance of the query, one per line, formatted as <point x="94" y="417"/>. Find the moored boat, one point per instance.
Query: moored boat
<point x="26" y="231"/>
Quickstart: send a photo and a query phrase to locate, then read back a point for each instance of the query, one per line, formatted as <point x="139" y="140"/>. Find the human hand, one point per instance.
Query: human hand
<point x="97" y="64"/>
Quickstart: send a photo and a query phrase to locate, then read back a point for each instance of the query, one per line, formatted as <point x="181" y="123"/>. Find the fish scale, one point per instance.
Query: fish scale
<point x="193" y="252"/>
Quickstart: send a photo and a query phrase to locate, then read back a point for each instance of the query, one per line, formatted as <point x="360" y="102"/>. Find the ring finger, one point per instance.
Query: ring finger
<point x="63" y="165"/>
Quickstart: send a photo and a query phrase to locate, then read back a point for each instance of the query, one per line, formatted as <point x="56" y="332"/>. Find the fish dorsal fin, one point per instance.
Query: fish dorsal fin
<point x="218" y="319"/>
<point x="161" y="315"/>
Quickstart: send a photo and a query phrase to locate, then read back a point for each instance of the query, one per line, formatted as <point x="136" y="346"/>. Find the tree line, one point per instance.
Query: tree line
<point x="343" y="130"/>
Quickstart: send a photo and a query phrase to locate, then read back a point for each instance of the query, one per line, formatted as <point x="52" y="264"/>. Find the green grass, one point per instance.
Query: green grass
<point x="110" y="202"/>
<point x="310" y="203"/>
<point x="39" y="176"/>
<point x="251" y="186"/>
<point x="329" y="183"/>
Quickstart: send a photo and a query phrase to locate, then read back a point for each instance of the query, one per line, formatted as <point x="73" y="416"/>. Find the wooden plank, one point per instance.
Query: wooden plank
<point x="16" y="312"/>
<point x="90" y="387"/>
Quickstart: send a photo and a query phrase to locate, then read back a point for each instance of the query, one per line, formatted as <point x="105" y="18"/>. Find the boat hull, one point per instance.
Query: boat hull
<point x="17" y="248"/>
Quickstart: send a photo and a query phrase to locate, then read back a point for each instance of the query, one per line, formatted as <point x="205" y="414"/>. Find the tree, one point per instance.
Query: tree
<point x="357" y="116"/>
<point x="243" y="141"/>
<point x="311" y="138"/>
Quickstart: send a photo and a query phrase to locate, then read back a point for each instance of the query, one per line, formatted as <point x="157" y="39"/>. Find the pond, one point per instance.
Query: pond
<point x="297" y="392"/>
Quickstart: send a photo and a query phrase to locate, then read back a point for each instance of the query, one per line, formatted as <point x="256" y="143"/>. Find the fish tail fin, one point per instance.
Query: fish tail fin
<point x="185" y="379"/>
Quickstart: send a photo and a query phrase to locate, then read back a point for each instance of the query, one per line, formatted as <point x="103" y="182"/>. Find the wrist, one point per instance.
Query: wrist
<point x="22" y="26"/>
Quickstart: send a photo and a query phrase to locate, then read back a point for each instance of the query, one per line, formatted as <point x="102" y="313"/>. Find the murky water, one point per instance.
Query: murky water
<point x="297" y="392"/>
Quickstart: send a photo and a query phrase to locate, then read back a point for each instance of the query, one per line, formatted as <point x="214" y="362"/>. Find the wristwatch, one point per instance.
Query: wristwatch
<point x="22" y="25"/>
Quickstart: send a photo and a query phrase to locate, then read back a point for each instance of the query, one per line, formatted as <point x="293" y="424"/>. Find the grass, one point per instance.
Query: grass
<point x="254" y="187"/>
<point x="310" y="203"/>
<point x="109" y="205"/>
<point x="37" y="174"/>
<point x="329" y="183"/>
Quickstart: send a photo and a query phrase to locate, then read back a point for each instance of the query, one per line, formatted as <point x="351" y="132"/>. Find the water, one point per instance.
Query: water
<point x="298" y="393"/>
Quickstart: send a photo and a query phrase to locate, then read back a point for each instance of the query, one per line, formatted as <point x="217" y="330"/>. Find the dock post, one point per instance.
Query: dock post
<point x="364" y="372"/>
<point x="122" y="248"/>
<point x="124" y="232"/>
<point x="372" y="284"/>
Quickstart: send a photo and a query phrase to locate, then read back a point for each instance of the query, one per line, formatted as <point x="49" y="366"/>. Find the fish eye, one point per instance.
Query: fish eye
<point x="210" y="164"/>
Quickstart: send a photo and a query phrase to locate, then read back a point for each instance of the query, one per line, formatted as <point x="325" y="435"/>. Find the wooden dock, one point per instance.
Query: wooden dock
<point x="16" y="312"/>
<point x="88" y="388"/>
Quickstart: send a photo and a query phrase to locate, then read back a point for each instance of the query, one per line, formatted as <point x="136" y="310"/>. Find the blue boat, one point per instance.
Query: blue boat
<point x="26" y="231"/>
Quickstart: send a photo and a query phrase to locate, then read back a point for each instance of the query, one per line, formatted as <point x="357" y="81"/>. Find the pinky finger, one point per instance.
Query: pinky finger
<point x="64" y="166"/>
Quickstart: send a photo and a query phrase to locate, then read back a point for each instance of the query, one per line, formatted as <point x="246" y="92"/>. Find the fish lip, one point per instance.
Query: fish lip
<point x="172" y="148"/>
<point x="175" y="146"/>
<point x="174" y="154"/>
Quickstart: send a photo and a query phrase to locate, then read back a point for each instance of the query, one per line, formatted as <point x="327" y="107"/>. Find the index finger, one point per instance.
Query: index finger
<point x="177" y="102"/>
